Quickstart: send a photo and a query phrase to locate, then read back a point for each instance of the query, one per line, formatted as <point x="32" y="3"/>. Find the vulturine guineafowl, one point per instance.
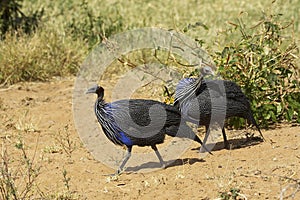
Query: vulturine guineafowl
<point x="139" y="122"/>
<point x="199" y="99"/>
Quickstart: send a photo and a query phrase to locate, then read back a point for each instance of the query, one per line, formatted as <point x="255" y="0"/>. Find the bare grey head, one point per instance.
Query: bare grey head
<point x="204" y="71"/>
<point x="97" y="90"/>
<point x="207" y="70"/>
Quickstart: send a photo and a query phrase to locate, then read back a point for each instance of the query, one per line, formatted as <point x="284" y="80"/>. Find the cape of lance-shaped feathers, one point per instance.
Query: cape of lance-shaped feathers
<point x="197" y="103"/>
<point x="128" y="122"/>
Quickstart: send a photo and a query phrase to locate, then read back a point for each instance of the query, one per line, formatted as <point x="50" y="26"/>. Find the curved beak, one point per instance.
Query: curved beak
<point x="91" y="90"/>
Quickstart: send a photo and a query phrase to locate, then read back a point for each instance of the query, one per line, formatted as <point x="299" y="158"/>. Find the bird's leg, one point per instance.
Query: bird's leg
<point x="206" y="134"/>
<point x="189" y="133"/>
<point x="158" y="155"/>
<point x="226" y="143"/>
<point x="197" y="139"/>
<point x="205" y="139"/>
<point x="261" y="135"/>
<point x="129" y="148"/>
<point x="250" y="120"/>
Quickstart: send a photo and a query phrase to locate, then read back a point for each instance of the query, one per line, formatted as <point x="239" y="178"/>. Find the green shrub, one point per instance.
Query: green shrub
<point x="92" y="27"/>
<point x="264" y="63"/>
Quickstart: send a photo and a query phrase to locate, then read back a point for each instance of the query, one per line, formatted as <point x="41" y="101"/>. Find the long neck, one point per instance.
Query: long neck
<point x="100" y="110"/>
<point x="186" y="89"/>
<point x="107" y="122"/>
<point x="99" y="104"/>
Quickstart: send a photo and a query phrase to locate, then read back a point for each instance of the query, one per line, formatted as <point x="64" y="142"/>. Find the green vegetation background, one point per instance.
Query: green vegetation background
<point x="254" y="43"/>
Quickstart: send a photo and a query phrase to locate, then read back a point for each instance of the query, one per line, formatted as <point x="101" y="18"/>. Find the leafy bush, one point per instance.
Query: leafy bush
<point x="263" y="63"/>
<point x="92" y="27"/>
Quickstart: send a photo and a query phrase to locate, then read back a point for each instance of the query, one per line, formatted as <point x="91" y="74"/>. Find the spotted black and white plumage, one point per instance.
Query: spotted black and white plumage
<point x="139" y="122"/>
<point x="198" y="99"/>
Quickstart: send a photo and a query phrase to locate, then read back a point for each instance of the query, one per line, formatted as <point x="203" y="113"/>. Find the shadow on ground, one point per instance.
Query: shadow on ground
<point x="169" y="164"/>
<point x="234" y="144"/>
<point x="237" y="143"/>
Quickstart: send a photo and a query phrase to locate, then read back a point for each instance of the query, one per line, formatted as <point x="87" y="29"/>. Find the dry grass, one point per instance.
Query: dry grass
<point x="39" y="57"/>
<point x="54" y="51"/>
<point x="69" y="29"/>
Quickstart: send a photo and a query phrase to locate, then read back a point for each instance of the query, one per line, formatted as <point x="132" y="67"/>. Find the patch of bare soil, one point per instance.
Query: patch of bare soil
<point x="37" y="118"/>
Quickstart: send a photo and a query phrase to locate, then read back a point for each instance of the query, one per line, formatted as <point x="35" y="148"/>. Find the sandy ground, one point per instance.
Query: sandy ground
<point x="39" y="115"/>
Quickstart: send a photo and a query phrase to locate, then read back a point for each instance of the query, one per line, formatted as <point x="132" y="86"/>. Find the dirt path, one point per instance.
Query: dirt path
<point x="39" y="115"/>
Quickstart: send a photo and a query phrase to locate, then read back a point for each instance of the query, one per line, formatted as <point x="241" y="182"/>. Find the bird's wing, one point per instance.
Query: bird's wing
<point x="138" y="116"/>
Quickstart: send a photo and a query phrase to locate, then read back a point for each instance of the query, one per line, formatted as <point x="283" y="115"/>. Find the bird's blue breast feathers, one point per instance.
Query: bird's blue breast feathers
<point x="121" y="135"/>
<point x="125" y="140"/>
